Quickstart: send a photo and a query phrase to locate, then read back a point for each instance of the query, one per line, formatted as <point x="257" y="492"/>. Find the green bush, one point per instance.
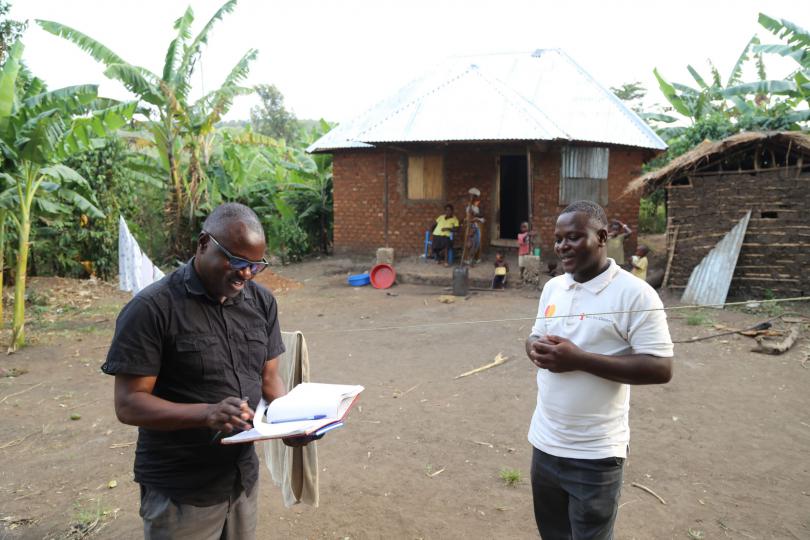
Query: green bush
<point x="652" y="216"/>
<point x="293" y="240"/>
<point x="80" y="245"/>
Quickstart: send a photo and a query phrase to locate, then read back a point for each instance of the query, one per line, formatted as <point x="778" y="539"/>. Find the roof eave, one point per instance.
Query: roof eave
<point x="360" y="145"/>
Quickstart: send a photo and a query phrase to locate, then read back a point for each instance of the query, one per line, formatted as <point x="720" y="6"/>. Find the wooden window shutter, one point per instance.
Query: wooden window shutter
<point x="426" y="176"/>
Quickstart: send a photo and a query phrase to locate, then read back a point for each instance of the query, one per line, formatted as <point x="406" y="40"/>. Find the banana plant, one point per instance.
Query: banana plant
<point x="38" y="131"/>
<point x="762" y="104"/>
<point x="708" y="97"/>
<point x="312" y="188"/>
<point x="795" y="88"/>
<point x="798" y="40"/>
<point x="179" y="130"/>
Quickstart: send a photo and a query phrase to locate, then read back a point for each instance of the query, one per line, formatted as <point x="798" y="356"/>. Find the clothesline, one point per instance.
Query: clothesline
<point x="518" y="319"/>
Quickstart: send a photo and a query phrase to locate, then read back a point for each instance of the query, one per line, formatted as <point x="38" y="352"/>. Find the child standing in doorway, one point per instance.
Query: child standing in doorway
<point x="524" y="238"/>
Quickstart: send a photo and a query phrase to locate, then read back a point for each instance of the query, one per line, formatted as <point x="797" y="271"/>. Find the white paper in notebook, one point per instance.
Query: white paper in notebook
<point x="311" y="400"/>
<point x="316" y="405"/>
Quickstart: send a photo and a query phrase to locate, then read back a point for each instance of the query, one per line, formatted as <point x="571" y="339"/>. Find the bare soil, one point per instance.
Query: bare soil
<point x="724" y="444"/>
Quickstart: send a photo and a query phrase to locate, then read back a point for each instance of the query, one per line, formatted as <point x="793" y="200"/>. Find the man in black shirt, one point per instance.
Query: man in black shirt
<point x="192" y="355"/>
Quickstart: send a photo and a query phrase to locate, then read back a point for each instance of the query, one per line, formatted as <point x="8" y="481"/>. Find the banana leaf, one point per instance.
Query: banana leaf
<point x="672" y="95"/>
<point x="8" y="82"/>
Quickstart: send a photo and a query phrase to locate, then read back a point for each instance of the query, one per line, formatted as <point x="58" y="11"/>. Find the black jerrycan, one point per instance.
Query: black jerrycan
<point x="461" y="281"/>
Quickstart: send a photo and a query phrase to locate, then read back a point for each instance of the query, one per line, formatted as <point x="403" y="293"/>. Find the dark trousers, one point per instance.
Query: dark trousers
<point x="166" y="519"/>
<point x="575" y="499"/>
<point x="440" y="244"/>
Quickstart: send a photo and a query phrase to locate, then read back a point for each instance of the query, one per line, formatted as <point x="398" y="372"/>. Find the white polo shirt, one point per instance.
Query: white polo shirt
<point x="580" y="415"/>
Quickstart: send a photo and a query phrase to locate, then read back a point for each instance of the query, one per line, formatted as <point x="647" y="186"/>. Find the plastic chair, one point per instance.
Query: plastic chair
<point x="428" y="243"/>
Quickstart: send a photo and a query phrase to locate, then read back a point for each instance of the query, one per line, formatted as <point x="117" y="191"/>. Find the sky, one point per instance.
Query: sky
<point x="334" y="59"/>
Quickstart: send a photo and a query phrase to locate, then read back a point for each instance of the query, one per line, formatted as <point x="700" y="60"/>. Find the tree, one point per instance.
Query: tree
<point x="311" y="176"/>
<point x="764" y="104"/>
<point x="10" y="30"/>
<point x="789" y="93"/>
<point x="38" y="132"/>
<point x="697" y="102"/>
<point x="180" y="131"/>
<point x="271" y="118"/>
<point x="632" y="93"/>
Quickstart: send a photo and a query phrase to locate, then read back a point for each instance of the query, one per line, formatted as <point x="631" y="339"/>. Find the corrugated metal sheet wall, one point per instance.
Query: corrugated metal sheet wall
<point x="583" y="174"/>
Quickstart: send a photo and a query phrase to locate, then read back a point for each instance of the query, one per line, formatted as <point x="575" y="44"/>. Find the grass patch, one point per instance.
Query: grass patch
<point x="510" y="477"/>
<point x="12" y="372"/>
<point x="773" y="309"/>
<point x="89" y="518"/>
<point x="698" y="318"/>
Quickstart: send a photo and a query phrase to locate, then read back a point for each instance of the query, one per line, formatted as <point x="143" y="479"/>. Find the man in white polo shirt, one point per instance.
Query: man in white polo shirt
<point x="617" y="335"/>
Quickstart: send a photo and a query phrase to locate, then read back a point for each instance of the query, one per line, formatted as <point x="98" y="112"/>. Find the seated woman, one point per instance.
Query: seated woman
<point x="443" y="228"/>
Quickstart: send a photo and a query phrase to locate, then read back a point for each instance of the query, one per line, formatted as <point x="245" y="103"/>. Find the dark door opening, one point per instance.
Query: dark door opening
<point x="514" y="195"/>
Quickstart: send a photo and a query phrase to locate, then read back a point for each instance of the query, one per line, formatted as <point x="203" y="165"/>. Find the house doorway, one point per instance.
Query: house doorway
<point x="513" y="196"/>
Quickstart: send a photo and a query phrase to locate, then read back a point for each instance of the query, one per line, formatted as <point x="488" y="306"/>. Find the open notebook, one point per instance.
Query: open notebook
<point x="309" y="408"/>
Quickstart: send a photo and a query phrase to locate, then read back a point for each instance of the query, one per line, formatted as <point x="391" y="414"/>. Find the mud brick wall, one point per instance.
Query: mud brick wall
<point x="359" y="186"/>
<point x="776" y="249"/>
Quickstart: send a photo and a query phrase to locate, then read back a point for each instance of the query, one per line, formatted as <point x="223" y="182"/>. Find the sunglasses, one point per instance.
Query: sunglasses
<point x="238" y="263"/>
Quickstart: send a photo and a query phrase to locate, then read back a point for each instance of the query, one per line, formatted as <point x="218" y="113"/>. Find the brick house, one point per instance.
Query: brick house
<point x="532" y="132"/>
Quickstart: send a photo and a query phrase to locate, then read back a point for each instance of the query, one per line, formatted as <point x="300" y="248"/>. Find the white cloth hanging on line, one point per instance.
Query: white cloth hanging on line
<point x="135" y="270"/>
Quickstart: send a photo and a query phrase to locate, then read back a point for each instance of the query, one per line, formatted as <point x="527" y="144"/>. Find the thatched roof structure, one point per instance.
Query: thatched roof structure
<point x="707" y="151"/>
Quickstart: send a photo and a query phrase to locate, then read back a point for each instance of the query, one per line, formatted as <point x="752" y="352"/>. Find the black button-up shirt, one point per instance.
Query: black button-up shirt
<point x="201" y="352"/>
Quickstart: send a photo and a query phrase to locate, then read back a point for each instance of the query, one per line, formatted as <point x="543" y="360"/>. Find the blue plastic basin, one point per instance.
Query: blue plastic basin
<point x="358" y="280"/>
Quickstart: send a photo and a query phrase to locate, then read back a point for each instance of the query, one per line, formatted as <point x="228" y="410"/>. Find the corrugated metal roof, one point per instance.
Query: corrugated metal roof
<point x="708" y="285"/>
<point x="542" y="96"/>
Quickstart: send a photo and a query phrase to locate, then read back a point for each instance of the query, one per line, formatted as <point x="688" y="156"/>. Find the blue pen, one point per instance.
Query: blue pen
<point x="315" y="417"/>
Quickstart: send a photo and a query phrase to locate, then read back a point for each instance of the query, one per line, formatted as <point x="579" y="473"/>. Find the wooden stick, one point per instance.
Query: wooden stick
<point x="398" y="394"/>
<point x="122" y="445"/>
<point x="20" y="392"/>
<point x="412" y="388"/>
<point x="500" y="359"/>
<point x="437" y="473"/>
<point x="15" y="442"/>
<point x="670" y="256"/>
<point x="648" y="490"/>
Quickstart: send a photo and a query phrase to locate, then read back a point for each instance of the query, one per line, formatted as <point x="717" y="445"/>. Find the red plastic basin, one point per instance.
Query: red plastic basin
<point x="382" y="276"/>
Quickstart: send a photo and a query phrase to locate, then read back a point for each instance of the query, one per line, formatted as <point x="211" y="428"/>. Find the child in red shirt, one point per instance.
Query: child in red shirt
<point x="524" y="246"/>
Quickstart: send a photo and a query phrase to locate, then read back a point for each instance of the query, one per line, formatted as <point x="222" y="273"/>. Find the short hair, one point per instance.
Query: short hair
<point x="594" y="211"/>
<point x="222" y="215"/>
<point x="448" y="205"/>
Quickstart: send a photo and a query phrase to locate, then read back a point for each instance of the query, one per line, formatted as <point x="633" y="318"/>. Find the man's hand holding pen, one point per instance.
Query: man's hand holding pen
<point x="230" y="414"/>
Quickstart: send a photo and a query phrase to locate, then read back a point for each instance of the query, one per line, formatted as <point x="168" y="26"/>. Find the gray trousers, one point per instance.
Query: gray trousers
<point x="165" y="519"/>
<point x="575" y="498"/>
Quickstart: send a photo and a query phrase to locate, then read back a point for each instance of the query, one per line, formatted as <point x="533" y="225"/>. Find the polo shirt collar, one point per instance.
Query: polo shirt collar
<point x="597" y="284"/>
<point x="194" y="285"/>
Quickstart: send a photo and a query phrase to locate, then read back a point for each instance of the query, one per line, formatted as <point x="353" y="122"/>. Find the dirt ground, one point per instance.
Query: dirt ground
<point x="724" y="444"/>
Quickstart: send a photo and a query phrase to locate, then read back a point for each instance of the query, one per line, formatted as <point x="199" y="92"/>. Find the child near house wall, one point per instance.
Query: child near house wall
<point x="525" y="238"/>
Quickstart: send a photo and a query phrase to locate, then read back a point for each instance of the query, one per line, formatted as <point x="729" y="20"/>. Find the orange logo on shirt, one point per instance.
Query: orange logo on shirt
<point x="550" y="310"/>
